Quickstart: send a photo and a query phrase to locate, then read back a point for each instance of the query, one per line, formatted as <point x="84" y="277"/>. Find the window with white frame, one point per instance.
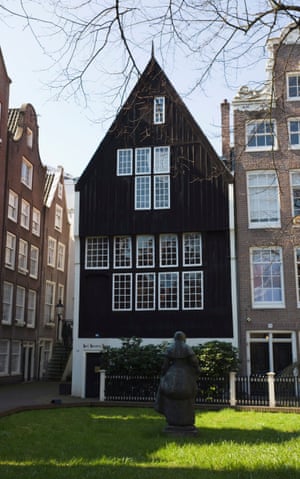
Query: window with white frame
<point x="168" y="289"/>
<point x="51" y="261"/>
<point x="60" y="293"/>
<point x="7" y="302"/>
<point x="261" y="135"/>
<point x="145" y="291"/>
<point x="49" y="310"/>
<point x="192" y="249"/>
<point x="143" y="178"/>
<point x="36" y="222"/>
<point x="10" y="250"/>
<point x="60" y="190"/>
<point x="29" y="137"/>
<point x="161" y="177"/>
<point x="192" y="290"/>
<point x="20" y="305"/>
<point x="31" y="309"/>
<point x="122" y="292"/>
<point x="122" y="252"/>
<point x="168" y="250"/>
<point x="159" y="110"/>
<point x="145" y="251"/>
<point x="25" y="214"/>
<point x="61" y="256"/>
<point x="23" y="256"/>
<point x="15" y="357"/>
<point x="124" y="161"/>
<point x="58" y="218"/>
<point x="26" y="173"/>
<point x="34" y="262"/>
<point x="267" y="277"/>
<point x="293" y="86"/>
<point x="97" y="252"/>
<point x="295" y="192"/>
<point x="263" y="199"/>
<point x="142" y="161"/>
<point x="4" y="356"/>
<point x="13" y="201"/>
<point x="294" y="133"/>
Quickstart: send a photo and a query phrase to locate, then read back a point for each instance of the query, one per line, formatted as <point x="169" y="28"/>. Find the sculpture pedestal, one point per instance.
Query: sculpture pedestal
<point x="181" y="430"/>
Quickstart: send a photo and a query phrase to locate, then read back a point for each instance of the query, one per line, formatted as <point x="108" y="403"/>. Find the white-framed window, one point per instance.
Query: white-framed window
<point x="124" y="162"/>
<point x="161" y="192"/>
<point x="263" y="199"/>
<point x="36" y="222"/>
<point x="51" y="257"/>
<point x="122" y="292"/>
<point x="192" y="290"/>
<point x="161" y="159"/>
<point x="145" y="250"/>
<point x="60" y="293"/>
<point x="192" y="249"/>
<point x="145" y="292"/>
<point x="34" y="262"/>
<point x="20" y="305"/>
<point x="13" y="201"/>
<point x="60" y="190"/>
<point x="294" y="133"/>
<point x="10" y="250"/>
<point x="58" y="218"/>
<point x="49" y="310"/>
<point x="26" y="173"/>
<point x="261" y="135"/>
<point x="23" y="256"/>
<point x="31" y="308"/>
<point x="122" y="252"/>
<point x="16" y="357"/>
<point x="25" y="214"/>
<point x="142" y="161"/>
<point x="61" y="249"/>
<point x="293" y="86"/>
<point x="142" y="192"/>
<point x="4" y="356"/>
<point x="7" y="302"/>
<point x="267" y="277"/>
<point x="168" y="288"/>
<point x="168" y="250"/>
<point x="97" y="252"/>
<point x="295" y="192"/>
<point x="29" y="137"/>
<point x="159" y="110"/>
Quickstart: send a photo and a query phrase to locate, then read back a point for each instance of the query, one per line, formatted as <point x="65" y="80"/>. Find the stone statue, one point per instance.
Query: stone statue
<point x="178" y="386"/>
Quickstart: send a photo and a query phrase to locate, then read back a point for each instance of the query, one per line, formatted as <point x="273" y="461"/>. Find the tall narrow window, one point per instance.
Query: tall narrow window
<point x="23" y="256"/>
<point x="192" y="294"/>
<point x="295" y="185"/>
<point x="20" y="305"/>
<point x="122" y="252"/>
<point x="25" y="214"/>
<point x="31" y="308"/>
<point x="58" y="217"/>
<point x="168" y="250"/>
<point x="294" y="133"/>
<point x="168" y="290"/>
<point x="97" y="252"/>
<point x="4" y="356"/>
<point x="29" y="137"/>
<point x="34" y="262"/>
<point x="159" y="110"/>
<point x="13" y="201"/>
<point x="145" y="291"/>
<point x="51" y="261"/>
<point x="143" y="178"/>
<point x="192" y="249"/>
<point x="36" y="222"/>
<point x="26" y="173"/>
<point x="124" y="162"/>
<point x="261" y="135"/>
<point x="15" y="357"/>
<point x="49" y="310"/>
<point x="7" y="302"/>
<point x="61" y="256"/>
<point x="122" y="292"/>
<point x="263" y="199"/>
<point x="267" y="277"/>
<point x="145" y="251"/>
<point x="10" y="250"/>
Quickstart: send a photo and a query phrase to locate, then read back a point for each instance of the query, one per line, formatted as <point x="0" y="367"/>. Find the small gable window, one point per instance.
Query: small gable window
<point x="159" y="110"/>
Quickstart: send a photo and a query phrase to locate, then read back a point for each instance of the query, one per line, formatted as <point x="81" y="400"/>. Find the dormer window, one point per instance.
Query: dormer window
<point x="159" y="110"/>
<point x="29" y="137"/>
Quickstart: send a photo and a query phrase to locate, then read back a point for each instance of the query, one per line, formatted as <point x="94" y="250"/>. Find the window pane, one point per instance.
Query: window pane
<point x="145" y="291"/>
<point x="124" y="162"/>
<point x="267" y="277"/>
<point x="122" y="291"/>
<point x="168" y="290"/>
<point x="145" y="251"/>
<point x="263" y="199"/>
<point x="159" y="110"/>
<point x="260" y="134"/>
<point x="294" y="133"/>
<point x="162" y="159"/>
<point x="142" y="161"/>
<point x="294" y="86"/>
<point x="161" y="191"/>
<point x="122" y="252"/>
<point x="193" y="290"/>
<point x="168" y="250"/>
<point x="97" y="252"/>
<point x="142" y="193"/>
<point x="192" y="249"/>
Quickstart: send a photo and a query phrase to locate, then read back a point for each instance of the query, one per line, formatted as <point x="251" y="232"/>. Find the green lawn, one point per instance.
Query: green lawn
<point x="121" y="443"/>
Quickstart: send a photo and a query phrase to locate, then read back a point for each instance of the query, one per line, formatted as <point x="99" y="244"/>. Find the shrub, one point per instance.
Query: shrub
<point x="217" y="358"/>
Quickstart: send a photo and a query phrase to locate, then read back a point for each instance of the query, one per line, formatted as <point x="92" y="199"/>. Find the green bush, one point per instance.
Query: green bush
<point x="217" y="358"/>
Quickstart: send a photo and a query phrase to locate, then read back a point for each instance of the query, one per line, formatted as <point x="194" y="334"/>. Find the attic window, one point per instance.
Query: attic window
<point x="159" y="110"/>
<point x="29" y="137"/>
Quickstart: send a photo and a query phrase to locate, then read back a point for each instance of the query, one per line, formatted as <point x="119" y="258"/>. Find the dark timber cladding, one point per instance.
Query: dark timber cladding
<point x="198" y="203"/>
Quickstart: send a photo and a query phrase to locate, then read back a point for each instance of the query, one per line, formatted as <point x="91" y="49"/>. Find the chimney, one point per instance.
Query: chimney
<point x="225" y="119"/>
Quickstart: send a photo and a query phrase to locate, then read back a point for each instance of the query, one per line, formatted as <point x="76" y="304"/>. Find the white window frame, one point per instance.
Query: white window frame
<point x="159" y="110"/>
<point x="124" y="162"/>
<point x="142" y="192"/>
<point x="145" y="251"/>
<point x="29" y="137"/>
<point x="25" y="214"/>
<point x="161" y="186"/>
<point x="61" y="254"/>
<point x="294" y="134"/>
<point x="97" y="252"/>
<point x="31" y="308"/>
<point x="260" y="194"/>
<point x="147" y="301"/>
<point x="58" y="222"/>
<point x="297" y="86"/>
<point x="259" y="135"/>
<point x="16" y="351"/>
<point x="174" y="292"/>
<point x="295" y="192"/>
<point x="168" y="255"/>
<point x="190" y="293"/>
<point x="161" y="160"/>
<point x="7" y="302"/>
<point x="49" y="306"/>
<point x="23" y="256"/>
<point x="122" y="244"/>
<point x="20" y="306"/>
<point x="122" y="296"/>
<point x="10" y="250"/>
<point x="4" y="356"/>
<point x="51" y="255"/>
<point x="26" y="173"/>
<point x="34" y="262"/>
<point x="192" y="249"/>
<point x="13" y="203"/>
<point x="36" y="222"/>
<point x="267" y="276"/>
<point x="143" y="161"/>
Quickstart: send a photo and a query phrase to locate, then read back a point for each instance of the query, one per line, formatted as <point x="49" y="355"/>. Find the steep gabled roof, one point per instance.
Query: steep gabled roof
<point x="52" y="180"/>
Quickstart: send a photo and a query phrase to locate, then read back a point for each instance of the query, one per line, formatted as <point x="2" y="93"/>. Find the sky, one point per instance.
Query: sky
<point x="69" y="131"/>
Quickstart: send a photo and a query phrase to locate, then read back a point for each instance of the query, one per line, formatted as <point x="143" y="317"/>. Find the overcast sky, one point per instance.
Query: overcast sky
<point x="69" y="132"/>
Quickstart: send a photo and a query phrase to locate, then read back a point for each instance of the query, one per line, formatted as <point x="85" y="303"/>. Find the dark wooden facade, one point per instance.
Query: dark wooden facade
<point x="198" y="203"/>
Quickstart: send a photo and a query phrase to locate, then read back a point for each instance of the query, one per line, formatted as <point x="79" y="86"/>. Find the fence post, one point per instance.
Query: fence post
<point x="271" y="388"/>
<point x="102" y="385"/>
<point x="232" y="388"/>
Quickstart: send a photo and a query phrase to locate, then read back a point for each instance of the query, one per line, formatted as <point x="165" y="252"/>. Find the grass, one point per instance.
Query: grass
<point x="125" y="443"/>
